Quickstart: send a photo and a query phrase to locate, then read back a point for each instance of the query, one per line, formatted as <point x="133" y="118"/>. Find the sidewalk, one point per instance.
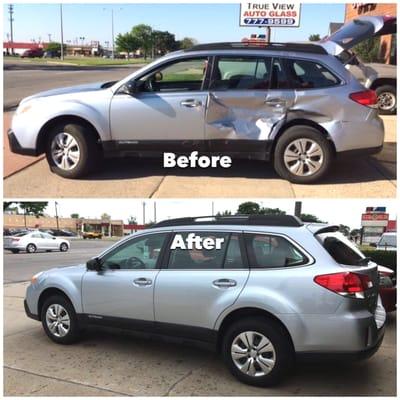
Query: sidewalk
<point x="12" y="162"/>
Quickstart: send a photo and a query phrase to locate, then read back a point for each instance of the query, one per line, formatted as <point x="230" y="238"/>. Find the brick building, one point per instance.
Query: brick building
<point x="388" y="42"/>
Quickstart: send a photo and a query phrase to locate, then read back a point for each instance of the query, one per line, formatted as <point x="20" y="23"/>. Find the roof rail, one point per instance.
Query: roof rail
<point x="263" y="220"/>
<point x="300" y="47"/>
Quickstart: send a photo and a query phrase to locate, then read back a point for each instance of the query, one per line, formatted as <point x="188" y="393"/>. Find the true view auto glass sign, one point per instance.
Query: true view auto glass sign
<point x="269" y="14"/>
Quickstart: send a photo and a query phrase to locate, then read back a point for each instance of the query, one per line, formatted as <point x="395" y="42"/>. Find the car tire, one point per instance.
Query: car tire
<point x="63" y="247"/>
<point x="290" y="153"/>
<point x="15" y="251"/>
<point x="70" y="139"/>
<point x="58" y="310"/>
<point x="31" y="248"/>
<point x="387" y="99"/>
<point x="280" y="356"/>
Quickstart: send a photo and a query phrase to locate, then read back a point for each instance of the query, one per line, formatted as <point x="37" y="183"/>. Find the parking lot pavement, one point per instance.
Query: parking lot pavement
<point x="145" y="178"/>
<point x="118" y="363"/>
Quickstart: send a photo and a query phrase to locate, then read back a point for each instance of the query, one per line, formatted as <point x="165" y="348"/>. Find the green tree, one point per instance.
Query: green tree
<point x="132" y="220"/>
<point x="127" y="43"/>
<point x="248" y="208"/>
<point x="35" y="208"/>
<point x="344" y="229"/>
<point x="225" y="213"/>
<point x="187" y="43"/>
<point x="315" y="37"/>
<point x="55" y="46"/>
<point x="368" y="50"/>
<point x="74" y="215"/>
<point x="143" y="34"/>
<point x="163" y="42"/>
<point x="272" y="211"/>
<point x="310" y="218"/>
<point x="7" y="205"/>
<point x="105" y="217"/>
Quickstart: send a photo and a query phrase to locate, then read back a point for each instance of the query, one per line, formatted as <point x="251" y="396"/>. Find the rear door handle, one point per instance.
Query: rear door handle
<point x="142" y="282"/>
<point x="224" y="283"/>
<point x="190" y="103"/>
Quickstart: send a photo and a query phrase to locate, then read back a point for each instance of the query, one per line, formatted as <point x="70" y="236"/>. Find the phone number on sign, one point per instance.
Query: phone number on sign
<point x="269" y="21"/>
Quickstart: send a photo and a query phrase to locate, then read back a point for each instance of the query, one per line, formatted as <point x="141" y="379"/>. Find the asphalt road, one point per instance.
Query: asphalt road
<point x="21" y="267"/>
<point x="21" y="80"/>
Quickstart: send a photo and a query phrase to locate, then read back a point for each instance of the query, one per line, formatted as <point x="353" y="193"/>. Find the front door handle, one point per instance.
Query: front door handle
<point x="224" y="283"/>
<point x="190" y="103"/>
<point x="142" y="282"/>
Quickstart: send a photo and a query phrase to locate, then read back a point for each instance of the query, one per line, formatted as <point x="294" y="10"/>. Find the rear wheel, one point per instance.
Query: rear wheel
<point x="258" y="351"/>
<point x="387" y="100"/>
<point x="302" y="155"/>
<point x="31" y="248"/>
<point x="72" y="150"/>
<point x="59" y="320"/>
<point x="15" y="251"/>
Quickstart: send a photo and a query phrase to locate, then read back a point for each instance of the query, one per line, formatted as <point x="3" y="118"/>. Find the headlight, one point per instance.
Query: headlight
<point x="35" y="277"/>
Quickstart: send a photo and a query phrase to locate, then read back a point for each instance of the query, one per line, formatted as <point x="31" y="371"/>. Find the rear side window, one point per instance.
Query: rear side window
<point x="241" y="73"/>
<point x="309" y="75"/>
<point x="228" y="255"/>
<point x="269" y="251"/>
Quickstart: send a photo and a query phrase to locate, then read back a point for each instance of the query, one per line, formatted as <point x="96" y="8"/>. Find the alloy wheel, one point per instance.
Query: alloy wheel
<point x="386" y="101"/>
<point x="65" y="151"/>
<point x="303" y="157"/>
<point x="58" y="320"/>
<point x="253" y="354"/>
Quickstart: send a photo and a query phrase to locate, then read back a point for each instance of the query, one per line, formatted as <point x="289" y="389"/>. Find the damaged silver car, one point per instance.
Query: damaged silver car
<point x="294" y="104"/>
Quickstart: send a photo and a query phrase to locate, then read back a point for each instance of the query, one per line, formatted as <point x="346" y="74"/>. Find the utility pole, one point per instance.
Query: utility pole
<point x="155" y="212"/>
<point x="11" y="12"/>
<point x="268" y="34"/>
<point x="62" y="32"/>
<point x="58" y="225"/>
<point x="297" y="209"/>
<point x="212" y="208"/>
<point x="112" y="34"/>
<point x="49" y="35"/>
<point x="144" y="213"/>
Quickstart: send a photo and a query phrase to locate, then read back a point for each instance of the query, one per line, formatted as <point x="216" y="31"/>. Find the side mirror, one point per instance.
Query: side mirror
<point x="94" y="264"/>
<point x="129" y="88"/>
<point x="158" y="76"/>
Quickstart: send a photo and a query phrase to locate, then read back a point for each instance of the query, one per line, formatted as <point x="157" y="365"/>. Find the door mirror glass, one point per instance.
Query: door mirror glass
<point x="129" y="88"/>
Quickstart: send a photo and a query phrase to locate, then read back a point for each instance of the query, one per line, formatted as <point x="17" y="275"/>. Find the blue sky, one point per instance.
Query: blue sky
<point x="204" y="22"/>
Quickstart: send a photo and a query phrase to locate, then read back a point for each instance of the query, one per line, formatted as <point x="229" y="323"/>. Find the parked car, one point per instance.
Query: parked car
<point x="295" y="104"/>
<point x="52" y="54"/>
<point x="387" y="288"/>
<point x="62" y="233"/>
<point x="32" y="53"/>
<point x="261" y="290"/>
<point x="387" y="242"/>
<point x="379" y="77"/>
<point x="31" y="242"/>
<point x="92" y="235"/>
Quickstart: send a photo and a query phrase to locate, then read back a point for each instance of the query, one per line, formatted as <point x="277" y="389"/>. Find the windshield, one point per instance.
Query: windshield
<point x="341" y="249"/>
<point x="387" y="241"/>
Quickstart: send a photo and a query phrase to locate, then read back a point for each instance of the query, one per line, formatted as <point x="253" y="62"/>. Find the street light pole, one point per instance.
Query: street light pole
<point x="58" y="225"/>
<point x="62" y="35"/>
<point x="11" y="12"/>
<point x="112" y="33"/>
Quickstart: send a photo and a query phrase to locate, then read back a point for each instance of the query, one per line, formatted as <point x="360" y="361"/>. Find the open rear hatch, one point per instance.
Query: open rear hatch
<point x="346" y="253"/>
<point x="356" y="31"/>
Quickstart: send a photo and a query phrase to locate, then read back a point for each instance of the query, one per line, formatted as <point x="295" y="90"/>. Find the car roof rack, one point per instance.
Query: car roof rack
<point x="263" y="220"/>
<point x="300" y="47"/>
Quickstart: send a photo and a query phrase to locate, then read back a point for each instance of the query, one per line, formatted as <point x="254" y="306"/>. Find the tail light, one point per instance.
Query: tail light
<point x="365" y="98"/>
<point x="15" y="239"/>
<point x="349" y="284"/>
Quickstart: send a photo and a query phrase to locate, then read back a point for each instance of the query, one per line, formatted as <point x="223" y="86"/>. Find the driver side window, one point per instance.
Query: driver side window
<point x="139" y="253"/>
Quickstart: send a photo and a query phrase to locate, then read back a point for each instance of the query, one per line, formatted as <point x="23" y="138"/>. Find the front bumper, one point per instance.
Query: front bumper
<point x="359" y="152"/>
<point x="29" y="313"/>
<point x="16" y="147"/>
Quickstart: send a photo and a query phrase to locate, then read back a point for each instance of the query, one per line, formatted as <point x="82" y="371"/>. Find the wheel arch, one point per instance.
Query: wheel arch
<point x="51" y="292"/>
<point x="246" y="312"/>
<point x="302" y="122"/>
<point x="383" y="81"/>
<point x="68" y="118"/>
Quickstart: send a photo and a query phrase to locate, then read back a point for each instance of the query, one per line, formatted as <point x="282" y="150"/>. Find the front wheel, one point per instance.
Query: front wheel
<point x="31" y="248"/>
<point x="63" y="247"/>
<point x="72" y="150"/>
<point x="302" y="155"/>
<point x="258" y="351"/>
<point x="59" y="320"/>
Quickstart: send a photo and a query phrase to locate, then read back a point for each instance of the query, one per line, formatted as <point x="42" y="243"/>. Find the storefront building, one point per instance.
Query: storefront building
<point x="388" y="42"/>
<point x="374" y="222"/>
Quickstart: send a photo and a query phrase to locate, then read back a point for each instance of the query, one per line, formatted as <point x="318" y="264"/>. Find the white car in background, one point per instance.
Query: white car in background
<point x="387" y="242"/>
<point x="34" y="241"/>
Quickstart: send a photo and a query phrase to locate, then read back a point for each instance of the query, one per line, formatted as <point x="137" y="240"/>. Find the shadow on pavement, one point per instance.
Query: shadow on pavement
<point x="348" y="171"/>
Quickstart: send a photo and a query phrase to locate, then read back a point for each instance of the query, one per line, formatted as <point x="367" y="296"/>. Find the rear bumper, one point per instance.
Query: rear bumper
<point x="16" y="147"/>
<point x="29" y="313"/>
<point x="344" y="356"/>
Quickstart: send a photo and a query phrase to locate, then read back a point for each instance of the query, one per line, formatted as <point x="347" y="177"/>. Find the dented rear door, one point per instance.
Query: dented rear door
<point x="243" y="110"/>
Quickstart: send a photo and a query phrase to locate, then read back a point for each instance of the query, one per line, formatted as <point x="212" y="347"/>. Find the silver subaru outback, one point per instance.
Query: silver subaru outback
<point x="261" y="290"/>
<point x="294" y="104"/>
